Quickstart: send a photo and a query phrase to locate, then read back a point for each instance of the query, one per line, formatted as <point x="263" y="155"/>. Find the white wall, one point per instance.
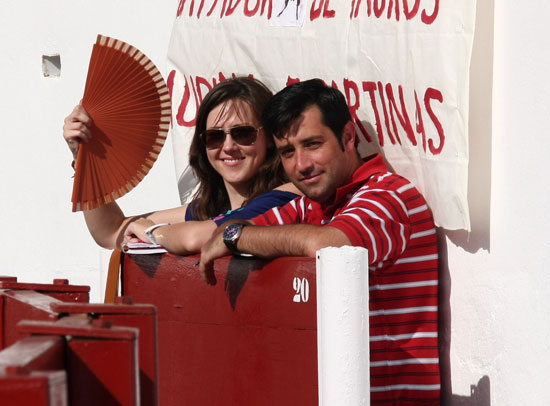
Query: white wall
<point x="499" y="279"/>
<point x="495" y="278"/>
<point x="41" y="238"/>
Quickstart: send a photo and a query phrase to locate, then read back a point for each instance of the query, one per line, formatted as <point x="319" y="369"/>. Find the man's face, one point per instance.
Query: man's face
<point x="313" y="158"/>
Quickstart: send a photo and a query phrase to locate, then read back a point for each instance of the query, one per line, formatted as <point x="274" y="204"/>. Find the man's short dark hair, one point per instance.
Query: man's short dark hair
<point x="286" y="106"/>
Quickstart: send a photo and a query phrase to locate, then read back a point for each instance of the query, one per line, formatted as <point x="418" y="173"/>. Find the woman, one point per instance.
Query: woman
<point x="236" y="164"/>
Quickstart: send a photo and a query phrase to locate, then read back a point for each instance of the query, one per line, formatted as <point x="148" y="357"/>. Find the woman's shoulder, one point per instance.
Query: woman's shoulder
<point x="288" y="187"/>
<point x="275" y="197"/>
<point x="259" y="205"/>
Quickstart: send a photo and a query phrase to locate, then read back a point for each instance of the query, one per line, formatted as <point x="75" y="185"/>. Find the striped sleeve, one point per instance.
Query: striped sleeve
<point x="403" y="306"/>
<point x="377" y="219"/>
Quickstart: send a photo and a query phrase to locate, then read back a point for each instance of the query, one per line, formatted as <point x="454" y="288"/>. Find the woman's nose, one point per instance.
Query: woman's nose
<point x="228" y="144"/>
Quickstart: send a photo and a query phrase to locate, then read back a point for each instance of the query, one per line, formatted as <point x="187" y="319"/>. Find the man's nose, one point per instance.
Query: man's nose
<point x="304" y="163"/>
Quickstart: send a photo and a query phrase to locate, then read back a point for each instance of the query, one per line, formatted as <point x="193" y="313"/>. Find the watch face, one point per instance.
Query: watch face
<point x="231" y="231"/>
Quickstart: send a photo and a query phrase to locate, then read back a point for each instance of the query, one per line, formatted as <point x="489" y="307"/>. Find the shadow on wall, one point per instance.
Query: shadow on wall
<point x="479" y="198"/>
<point x="480" y="395"/>
<point x="480" y="134"/>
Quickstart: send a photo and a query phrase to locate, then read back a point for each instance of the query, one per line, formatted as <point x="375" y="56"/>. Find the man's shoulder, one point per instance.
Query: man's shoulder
<point x="376" y="173"/>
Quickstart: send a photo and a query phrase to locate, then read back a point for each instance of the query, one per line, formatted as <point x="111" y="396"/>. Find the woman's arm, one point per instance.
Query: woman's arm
<point x="107" y="224"/>
<point x="181" y="238"/>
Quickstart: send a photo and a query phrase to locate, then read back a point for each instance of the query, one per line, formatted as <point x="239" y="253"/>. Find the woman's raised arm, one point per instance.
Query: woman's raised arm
<point x="107" y="224"/>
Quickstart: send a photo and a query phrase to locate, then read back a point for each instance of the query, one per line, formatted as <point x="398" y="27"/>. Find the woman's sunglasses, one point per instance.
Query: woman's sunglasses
<point x="241" y="134"/>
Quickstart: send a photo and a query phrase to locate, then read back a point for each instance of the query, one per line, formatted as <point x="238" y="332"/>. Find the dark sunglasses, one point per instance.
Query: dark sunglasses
<point x="241" y="134"/>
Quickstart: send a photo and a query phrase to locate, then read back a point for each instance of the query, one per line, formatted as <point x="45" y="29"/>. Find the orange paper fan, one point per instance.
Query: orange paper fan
<point x="129" y="103"/>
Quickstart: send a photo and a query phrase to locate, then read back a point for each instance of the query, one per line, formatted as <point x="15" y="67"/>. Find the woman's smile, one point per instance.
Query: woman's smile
<point x="237" y="164"/>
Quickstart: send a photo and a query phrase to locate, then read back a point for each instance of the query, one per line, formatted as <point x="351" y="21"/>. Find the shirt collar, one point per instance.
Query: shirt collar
<point x="373" y="164"/>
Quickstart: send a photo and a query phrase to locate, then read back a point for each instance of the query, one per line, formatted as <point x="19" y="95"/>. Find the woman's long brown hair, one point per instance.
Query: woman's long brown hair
<point x="211" y="197"/>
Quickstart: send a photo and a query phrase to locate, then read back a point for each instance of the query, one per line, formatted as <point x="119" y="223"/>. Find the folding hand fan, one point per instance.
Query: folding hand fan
<point x="129" y="103"/>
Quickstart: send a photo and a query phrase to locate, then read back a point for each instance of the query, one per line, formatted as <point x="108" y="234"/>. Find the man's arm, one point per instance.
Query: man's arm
<point x="271" y="242"/>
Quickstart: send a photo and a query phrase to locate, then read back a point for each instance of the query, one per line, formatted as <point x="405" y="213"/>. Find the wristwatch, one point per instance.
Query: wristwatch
<point x="231" y="235"/>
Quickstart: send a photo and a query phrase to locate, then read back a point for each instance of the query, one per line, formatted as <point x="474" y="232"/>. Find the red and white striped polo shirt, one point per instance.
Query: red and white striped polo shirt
<point x="386" y="214"/>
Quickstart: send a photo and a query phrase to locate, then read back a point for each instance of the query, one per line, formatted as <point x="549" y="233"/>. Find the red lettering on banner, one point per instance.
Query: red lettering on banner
<point x="230" y="8"/>
<point x="180" y="119"/>
<point x="402" y="115"/>
<point x="211" y="9"/>
<point x="377" y="8"/>
<point x="419" y="122"/>
<point x="291" y="81"/>
<point x="409" y="14"/>
<point x="197" y="99"/>
<point x="199" y="86"/>
<point x="221" y="78"/>
<point x="268" y="11"/>
<point x="248" y="12"/>
<point x="386" y="117"/>
<point x="181" y="5"/>
<point x="377" y="89"/>
<point x="350" y="85"/>
<point x="394" y="111"/>
<point x="390" y="7"/>
<point x="432" y="94"/>
<point x="428" y="19"/>
<point x="170" y="83"/>
<point x="200" y="9"/>
<point x="355" y="4"/>
<point x="370" y="87"/>
<point x="315" y="13"/>
<point x="200" y="81"/>
<point x="223" y="8"/>
<point x="170" y="86"/>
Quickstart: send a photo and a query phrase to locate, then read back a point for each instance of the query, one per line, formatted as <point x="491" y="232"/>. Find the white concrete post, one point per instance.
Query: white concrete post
<point x="343" y="326"/>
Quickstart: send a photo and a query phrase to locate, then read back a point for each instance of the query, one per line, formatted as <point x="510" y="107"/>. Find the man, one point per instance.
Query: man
<point x="348" y="202"/>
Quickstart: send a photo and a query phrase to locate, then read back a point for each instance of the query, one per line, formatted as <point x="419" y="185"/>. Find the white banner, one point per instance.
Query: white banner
<point x="403" y="66"/>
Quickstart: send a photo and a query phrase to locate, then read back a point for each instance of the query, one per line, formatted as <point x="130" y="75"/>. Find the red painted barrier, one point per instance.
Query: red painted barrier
<point x="17" y="305"/>
<point x="142" y="317"/>
<point x="100" y="359"/>
<point x="76" y="353"/>
<point x="31" y="373"/>
<point x="60" y="289"/>
<point x="31" y="301"/>
<point x="249" y="340"/>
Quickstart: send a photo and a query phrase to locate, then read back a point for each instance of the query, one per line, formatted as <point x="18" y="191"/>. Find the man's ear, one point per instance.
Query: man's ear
<point x="348" y="136"/>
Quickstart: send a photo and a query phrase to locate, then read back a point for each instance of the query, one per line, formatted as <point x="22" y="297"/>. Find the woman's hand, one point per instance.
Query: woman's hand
<point x="135" y="231"/>
<point x="76" y="129"/>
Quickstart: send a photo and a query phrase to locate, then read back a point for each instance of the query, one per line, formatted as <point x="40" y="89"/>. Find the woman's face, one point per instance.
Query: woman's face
<point x="237" y="164"/>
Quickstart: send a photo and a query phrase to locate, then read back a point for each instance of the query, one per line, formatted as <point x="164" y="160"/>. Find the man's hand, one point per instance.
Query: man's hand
<point x="214" y="248"/>
<point x="270" y="242"/>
